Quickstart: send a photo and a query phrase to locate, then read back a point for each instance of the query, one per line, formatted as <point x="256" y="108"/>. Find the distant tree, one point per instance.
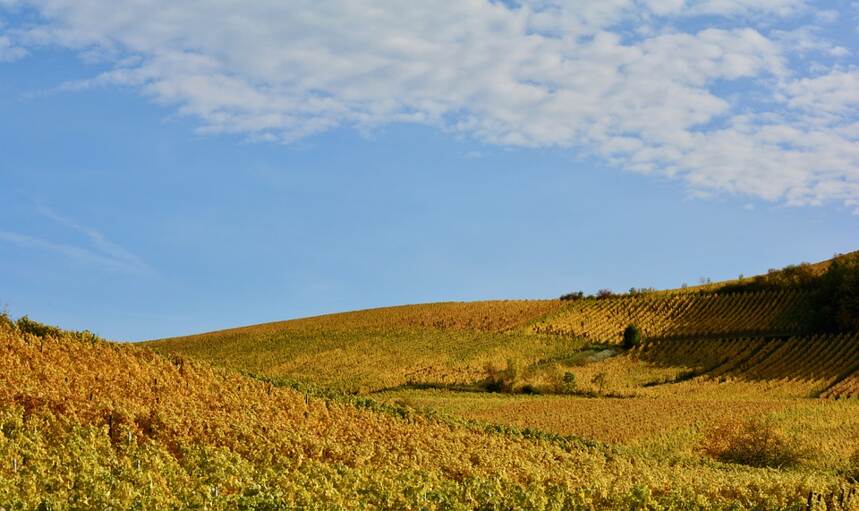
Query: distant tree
<point x="838" y="295"/>
<point x="605" y="293"/>
<point x="641" y="290"/>
<point x="631" y="337"/>
<point x="599" y="381"/>
<point x="569" y="382"/>
<point x="575" y="295"/>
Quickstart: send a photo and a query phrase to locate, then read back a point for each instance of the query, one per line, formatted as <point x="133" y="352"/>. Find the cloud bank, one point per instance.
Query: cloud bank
<point x="742" y="97"/>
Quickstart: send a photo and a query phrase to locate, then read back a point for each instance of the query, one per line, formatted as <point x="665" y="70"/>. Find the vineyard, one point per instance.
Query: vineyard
<point x="486" y="316"/>
<point x="679" y="315"/>
<point x="501" y="404"/>
<point x="85" y="424"/>
<point x="667" y="427"/>
<point x="447" y="343"/>
<point x="827" y="364"/>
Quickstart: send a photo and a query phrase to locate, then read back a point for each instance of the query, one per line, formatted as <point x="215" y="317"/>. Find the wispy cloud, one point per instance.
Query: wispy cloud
<point x="641" y="83"/>
<point x="97" y="239"/>
<point x="8" y="51"/>
<point x="102" y="252"/>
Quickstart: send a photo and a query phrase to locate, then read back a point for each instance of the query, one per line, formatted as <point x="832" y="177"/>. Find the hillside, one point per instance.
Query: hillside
<point x="739" y="396"/>
<point x="375" y="349"/>
<point x="777" y="354"/>
<point x="86" y="424"/>
<point x="464" y="344"/>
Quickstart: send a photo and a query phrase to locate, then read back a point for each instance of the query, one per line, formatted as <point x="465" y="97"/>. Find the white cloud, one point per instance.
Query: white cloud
<point x="828" y="16"/>
<point x="836" y="92"/>
<point x="8" y="51"/>
<point x="100" y="243"/>
<point x="747" y="7"/>
<point x="72" y="252"/>
<point x="103" y="252"/>
<point x="618" y="78"/>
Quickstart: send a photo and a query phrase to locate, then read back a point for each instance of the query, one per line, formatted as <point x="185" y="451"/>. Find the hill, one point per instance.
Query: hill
<point x="86" y="424"/>
<point x="371" y="350"/>
<point x="468" y="344"/>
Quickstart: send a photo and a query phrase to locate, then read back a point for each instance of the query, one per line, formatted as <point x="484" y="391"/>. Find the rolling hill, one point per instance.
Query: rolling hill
<point x="86" y="424"/>
<point x="459" y="344"/>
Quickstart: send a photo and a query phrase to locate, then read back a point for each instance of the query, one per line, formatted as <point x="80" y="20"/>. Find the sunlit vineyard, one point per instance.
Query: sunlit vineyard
<point x="500" y="405"/>
<point x="367" y="351"/>
<point x="89" y="425"/>
<point x="681" y="315"/>
<point x="448" y="343"/>
<point x="822" y="365"/>
<point x="670" y="427"/>
<point x="485" y="316"/>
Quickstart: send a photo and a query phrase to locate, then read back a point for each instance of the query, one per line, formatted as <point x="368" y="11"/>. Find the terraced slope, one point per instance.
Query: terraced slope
<point x="780" y="312"/>
<point x="86" y="424"/>
<point x="825" y="365"/>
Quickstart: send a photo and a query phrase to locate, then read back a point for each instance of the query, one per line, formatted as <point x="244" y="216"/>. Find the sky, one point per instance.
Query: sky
<point x="169" y="168"/>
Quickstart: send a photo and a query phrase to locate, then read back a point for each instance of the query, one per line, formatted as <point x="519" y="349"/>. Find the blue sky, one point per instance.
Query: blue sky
<point x="166" y="172"/>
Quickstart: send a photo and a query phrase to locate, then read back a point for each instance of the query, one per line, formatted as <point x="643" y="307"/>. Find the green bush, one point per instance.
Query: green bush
<point x="28" y="326"/>
<point x="569" y="382"/>
<point x="631" y="337"/>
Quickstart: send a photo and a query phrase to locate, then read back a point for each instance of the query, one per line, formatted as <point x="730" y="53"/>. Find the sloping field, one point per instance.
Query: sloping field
<point x="780" y="312"/>
<point x="453" y="343"/>
<point x="670" y="427"/>
<point x="824" y="364"/>
<point x="86" y="424"/>
<point x="757" y="336"/>
<point x="485" y="316"/>
<point x="447" y="343"/>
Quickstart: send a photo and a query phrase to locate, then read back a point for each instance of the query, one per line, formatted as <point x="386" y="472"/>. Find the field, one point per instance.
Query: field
<point x="447" y="343"/>
<point x="736" y="395"/>
<point x="681" y="315"/>
<point x="87" y="424"/>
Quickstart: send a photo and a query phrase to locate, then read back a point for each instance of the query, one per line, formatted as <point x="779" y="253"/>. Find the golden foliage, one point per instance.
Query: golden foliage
<point x="680" y="315"/>
<point x="755" y="442"/>
<point x="92" y="425"/>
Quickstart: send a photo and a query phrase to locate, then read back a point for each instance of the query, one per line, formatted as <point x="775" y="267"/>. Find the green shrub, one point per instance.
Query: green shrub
<point x="28" y="326"/>
<point x="631" y="337"/>
<point x="569" y="382"/>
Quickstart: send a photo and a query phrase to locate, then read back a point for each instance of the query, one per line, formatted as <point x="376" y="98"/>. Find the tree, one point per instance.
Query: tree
<point x="631" y="337"/>
<point x="569" y="382"/>
<point x="599" y="381"/>
<point x="838" y="295"/>
<point x="575" y="295"/>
